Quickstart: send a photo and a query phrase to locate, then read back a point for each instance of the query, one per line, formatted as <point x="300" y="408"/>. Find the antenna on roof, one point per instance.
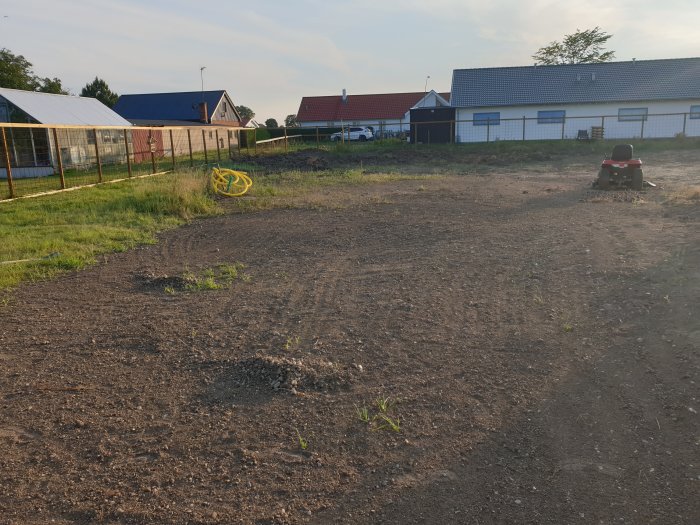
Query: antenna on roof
<point x="345" y="96"/>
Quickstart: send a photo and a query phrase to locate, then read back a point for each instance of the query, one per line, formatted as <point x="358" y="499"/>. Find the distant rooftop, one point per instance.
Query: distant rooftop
<point x="167" y="106"/>
<point x="636" y="80"/>
<point x="359" y="107"/>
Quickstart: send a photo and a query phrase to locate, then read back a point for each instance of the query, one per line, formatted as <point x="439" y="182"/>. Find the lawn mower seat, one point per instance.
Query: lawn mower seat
<point x="622" y="152"/>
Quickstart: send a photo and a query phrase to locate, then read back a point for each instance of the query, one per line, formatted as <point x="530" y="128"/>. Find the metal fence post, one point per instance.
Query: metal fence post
<point x="97" y="156"/>
<point x="488" y="130"/>
<point x="685" y="116"/>
<point x="189" y="143"/>
<point x="61" y="175"/>
<point x="642" y="128"/>
<point x="523" y="127"/>
<point x="172" y="147"/>
<point x="8" y="168"/>
<point x="128" y="155"/>
<point x="204" y="142"/>
<point x="415" y="136"/>
<point x="318" y="138"/>
<point x="563" y="125"/>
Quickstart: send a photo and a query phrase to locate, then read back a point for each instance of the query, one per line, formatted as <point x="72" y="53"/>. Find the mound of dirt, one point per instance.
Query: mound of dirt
<point x="292" y="374"/>
<point x="154" y="282"/>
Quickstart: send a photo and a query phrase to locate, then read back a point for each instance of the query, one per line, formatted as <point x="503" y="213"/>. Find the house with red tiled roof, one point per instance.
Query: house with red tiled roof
<point x="387" y="114"/>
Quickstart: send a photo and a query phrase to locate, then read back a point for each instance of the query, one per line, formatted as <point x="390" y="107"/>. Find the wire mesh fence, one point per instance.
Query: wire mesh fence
<point x="37" y="159"/>
<point x="554" y="126"/>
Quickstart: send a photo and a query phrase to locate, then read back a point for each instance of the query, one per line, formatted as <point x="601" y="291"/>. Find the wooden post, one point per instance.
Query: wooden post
<point x="642" y="131"/>
<point x="8" y="168"/>
<point x="415" y="135"/>
<point x="602" y="126"/>
<point x="452" y="132"/>
<point x="61" y="175"/>
<point x="128" y="155"/>
<point x="228" y="136"/>
<point x="488" y="130"/>
<point x="238" y="135"/>
<point x="286" y="141"/>
<point x="204" y="143"/>
<point x="172" y="148"/>
<point x="97" y="156"/>
<point x="152" y="147"/>
<point x="523" y="128"/>
<point x="255" y="139"/>
<point x="189" y="142"/>
<point x="218" y="150"/>
<point x="685" y="117"/>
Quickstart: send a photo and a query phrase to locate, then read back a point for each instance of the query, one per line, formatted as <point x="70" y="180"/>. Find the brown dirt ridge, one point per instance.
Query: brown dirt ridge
<point x="501" y="345"/>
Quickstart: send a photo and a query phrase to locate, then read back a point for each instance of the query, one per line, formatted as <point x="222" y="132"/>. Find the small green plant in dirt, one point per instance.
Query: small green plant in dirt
<point x="388" y="423"/>
<point x="383" y="404"/>
<point x="363" y="414"/>
<point x="170" y="290"/>
<point x="568" y="327"/>
<point x="379" y="418"/>
<point x="292" y="342"/>
<point x="303" y="443"/>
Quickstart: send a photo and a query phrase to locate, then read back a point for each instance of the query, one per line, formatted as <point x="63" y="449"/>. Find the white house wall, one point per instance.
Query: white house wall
<point x="665" y="119"/>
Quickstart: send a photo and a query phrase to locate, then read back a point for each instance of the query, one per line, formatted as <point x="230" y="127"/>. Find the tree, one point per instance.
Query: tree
<point x="245" y="112"/>
<point x="99" y="89"/>
<point x="16" y="72"/>
<point x="582" y="47"/>
<point x="291" y="121"/>
<point x="51" y="85"/>
<point x="271" y="123"/>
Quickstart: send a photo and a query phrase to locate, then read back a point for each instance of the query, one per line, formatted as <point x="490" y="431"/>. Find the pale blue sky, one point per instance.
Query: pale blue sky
<point x="268" y="54"/>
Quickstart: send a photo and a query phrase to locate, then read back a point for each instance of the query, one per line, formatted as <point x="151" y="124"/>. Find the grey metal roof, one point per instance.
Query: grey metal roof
<point x="640" y="80"/>
<point x="47" y="108"/>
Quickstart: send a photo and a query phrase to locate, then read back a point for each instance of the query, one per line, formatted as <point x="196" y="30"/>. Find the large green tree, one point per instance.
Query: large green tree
<point x="290" y="121"/>
<point x="16" y="73"/>
<point x="582" y="47"/>
<point x="245" y="112"/>
<point x="99" y="89"/>
<point x="271" y="123"/>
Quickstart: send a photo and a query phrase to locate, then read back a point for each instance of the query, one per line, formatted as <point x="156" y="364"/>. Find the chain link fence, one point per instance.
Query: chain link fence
<point x="37" y="159"/>
<point x="492" y="128"/>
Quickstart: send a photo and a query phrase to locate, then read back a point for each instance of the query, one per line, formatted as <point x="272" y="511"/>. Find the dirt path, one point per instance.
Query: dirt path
<point x="537" y="345"/>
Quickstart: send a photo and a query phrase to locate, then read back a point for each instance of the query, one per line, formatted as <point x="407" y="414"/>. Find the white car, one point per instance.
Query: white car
<point x="353" y="133"/>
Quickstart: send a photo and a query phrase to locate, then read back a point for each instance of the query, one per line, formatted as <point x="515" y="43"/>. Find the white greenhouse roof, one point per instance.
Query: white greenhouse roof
<point x="47" y="108"/>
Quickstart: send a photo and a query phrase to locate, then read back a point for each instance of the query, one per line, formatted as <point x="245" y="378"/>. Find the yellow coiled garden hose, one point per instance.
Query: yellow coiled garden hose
<point x="231" y="183"/>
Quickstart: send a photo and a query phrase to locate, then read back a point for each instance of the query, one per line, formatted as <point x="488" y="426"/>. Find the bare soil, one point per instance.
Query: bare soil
<point x="526" y="350"/>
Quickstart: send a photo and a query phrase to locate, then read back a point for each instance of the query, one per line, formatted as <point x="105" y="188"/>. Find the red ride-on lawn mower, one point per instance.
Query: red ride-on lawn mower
<point x="621" y="170"/>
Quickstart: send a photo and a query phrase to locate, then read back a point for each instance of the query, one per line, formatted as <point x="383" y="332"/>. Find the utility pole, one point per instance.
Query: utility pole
<point x="201" y="74"/>
<point x="425" y="89"/>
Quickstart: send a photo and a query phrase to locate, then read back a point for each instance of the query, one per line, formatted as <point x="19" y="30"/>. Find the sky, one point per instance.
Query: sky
<point x="268" y="54"/>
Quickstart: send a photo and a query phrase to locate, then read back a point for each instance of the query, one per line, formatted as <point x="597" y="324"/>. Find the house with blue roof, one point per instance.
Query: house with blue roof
<point x="179" y="109"/>
<point x="619" y="100"/>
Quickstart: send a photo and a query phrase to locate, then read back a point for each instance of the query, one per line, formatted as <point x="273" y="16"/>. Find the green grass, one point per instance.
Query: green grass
<point x="77" y="226"/>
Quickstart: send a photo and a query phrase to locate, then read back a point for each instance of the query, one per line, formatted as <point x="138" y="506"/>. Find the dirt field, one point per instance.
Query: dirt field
<point x="536" y="344"/>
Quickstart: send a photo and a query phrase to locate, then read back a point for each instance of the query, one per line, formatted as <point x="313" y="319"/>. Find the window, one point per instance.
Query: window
<point x="487" y="119"/>
<point x="551" y="117"/>
<point x="694" y="111"/>
<point x="631" y="114"/>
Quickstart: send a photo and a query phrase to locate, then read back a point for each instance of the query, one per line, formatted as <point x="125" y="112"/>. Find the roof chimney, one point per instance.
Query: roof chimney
<point x="203" y="114"/>
<point x="345" y="96"/>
